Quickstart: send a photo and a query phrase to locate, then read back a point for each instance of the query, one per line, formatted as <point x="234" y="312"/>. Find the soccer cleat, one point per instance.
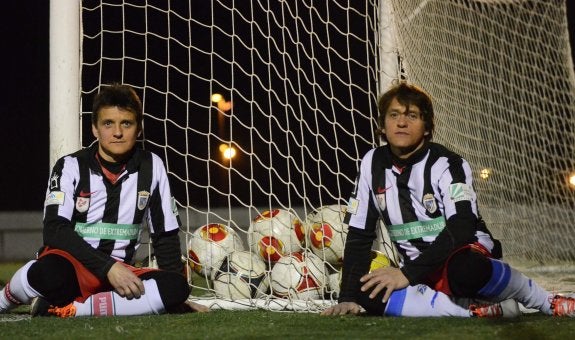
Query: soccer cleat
<point x="505" y="309"/>
<point x="67" y="311"/>
<point x="563" y="306"/>
<point x="39" y="307"/>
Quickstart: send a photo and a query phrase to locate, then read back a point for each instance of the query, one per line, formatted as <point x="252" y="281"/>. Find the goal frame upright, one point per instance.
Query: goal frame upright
<point x="64" y="78"/>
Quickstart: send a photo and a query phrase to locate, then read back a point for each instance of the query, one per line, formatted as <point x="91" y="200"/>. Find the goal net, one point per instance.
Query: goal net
<point x="261" y="108"/>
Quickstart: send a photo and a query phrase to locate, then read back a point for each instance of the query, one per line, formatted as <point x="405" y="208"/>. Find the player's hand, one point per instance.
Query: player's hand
<point x="343" y="308"/>
<point x="390" y="278"/>
<point x="194" y="307"/>
<point x="189" y="307"/>
<point x="125" y="283"/>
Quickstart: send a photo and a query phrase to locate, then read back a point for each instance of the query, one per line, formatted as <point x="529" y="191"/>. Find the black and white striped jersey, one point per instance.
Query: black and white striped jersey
<point x="99" y="222"/>
<point x="427" y="203"/>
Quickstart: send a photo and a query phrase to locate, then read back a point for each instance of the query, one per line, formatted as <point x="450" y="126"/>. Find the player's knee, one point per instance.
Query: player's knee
<point x="55" y="278"/>
<point x="468" y="272"/>
<point x="173" y="287"/>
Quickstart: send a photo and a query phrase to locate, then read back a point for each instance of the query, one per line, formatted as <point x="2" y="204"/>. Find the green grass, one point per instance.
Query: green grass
<point x="279" y="325"/>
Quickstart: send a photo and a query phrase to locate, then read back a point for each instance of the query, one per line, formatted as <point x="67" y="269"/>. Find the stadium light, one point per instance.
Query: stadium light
<point x="216" y="98"/>
<point x="228" y="152"/>
<point x="571" y="180"/>
<point x="221" y="102"/>
<point x="485" y="173"/>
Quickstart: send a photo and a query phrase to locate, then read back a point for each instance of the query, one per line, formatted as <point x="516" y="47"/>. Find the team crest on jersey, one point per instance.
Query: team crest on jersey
<point x="82" y="203"/>
<point x="143" y="197"/>
<point x="429" y="203"/>
<point x="381" y="201"/>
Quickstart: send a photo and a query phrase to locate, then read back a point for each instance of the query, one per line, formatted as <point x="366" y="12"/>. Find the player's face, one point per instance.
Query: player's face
<point x="404" y="129"/>
<point x="117" y="131"/>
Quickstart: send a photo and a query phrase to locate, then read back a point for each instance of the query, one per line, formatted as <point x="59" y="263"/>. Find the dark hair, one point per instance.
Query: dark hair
<point x="406" y="94"/>
<point x="122" y="96"/>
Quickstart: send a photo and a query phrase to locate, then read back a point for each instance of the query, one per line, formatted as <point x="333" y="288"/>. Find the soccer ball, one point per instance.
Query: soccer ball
<point x="298" y="276"/>
<point x="274" y="234"/>
<point x="209" y="245"/>
<point x="242" y="275"/>
<point x="327" y="233"/>
<point x="378" y="260"/>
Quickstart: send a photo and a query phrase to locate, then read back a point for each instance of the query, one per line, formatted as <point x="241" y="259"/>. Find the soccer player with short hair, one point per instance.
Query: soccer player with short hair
<point x="424" y="194"/>
<point x="98" y="201"/>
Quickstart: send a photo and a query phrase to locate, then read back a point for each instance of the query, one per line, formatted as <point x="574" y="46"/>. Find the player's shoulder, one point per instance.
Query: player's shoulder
<point x="440" y="150"/>
<point x="75" y="157"/>
<point x="378" y="151"/>
<point x="149" y="157"/>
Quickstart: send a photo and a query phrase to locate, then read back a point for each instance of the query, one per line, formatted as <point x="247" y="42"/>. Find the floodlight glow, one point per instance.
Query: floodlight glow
<point x="228" y="152"/>
<point x="572" y="180"/>
<point x="216" y="97"/>
<point x="485" y="173"/>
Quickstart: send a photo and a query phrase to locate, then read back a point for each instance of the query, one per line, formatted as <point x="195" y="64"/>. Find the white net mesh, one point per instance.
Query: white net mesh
<point x="299" y="82"/>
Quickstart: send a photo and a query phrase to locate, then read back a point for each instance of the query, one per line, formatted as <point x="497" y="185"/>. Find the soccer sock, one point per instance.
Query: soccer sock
<point x="17" y="290"/>
<point x="509" y="283"/>
<point x="420" y="300"/>
<point x="110" y="303"/>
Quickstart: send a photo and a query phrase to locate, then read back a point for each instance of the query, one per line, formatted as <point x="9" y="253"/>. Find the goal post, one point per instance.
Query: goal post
<point x="64" y="78"/>
<point x="261" y="106"/>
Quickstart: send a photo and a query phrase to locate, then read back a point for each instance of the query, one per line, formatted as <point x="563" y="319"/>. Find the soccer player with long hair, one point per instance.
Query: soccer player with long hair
<point x="424" y="194"/>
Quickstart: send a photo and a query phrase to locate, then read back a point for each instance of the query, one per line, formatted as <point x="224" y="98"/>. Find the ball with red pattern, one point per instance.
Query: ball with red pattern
<point x="209" y="245"/>
<point x="327" y="233"/>
<point x="275" y="233"/>
<point x="300" y="276"/>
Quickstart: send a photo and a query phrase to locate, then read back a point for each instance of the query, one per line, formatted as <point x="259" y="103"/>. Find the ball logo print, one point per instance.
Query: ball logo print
<point x="321" y="235"/>
<point x="270" y="248"/>
<point x="275" y="233"/>
<point x="242" y="275"/>
<point x="266" y="215"/>
<point x="214" y="232"/>
<point x="209" y="245"/>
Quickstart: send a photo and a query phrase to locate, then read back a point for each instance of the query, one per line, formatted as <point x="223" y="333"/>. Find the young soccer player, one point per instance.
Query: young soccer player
<point x="424" y="194"/>
<point x="97" y="202"/>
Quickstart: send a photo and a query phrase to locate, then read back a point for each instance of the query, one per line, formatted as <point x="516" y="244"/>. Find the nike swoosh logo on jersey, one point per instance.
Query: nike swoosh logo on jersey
<point x="381" y="190"/>
<point x="85" y="194"/>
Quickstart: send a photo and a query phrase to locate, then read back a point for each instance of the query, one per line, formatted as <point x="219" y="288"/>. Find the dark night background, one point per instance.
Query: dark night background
<point x="24" y="37"/>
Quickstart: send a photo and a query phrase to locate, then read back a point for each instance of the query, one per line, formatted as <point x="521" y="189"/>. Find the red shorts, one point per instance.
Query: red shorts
<point x="88" y="282"/>
<point x="438" y="279"/>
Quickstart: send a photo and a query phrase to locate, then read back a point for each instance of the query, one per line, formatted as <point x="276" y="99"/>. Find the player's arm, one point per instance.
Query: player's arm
<point x="461" y="222"/>
<point x="357" y="250"/>
<point x="164" y="222"/>
<point x="59" y="233"/>
<point x="356" y="261"/>
<point x="167" y="251"/>
<point x="59" y="230"/>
